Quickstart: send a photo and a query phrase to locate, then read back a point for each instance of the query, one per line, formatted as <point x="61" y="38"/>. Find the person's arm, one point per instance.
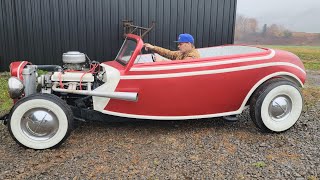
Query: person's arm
<point x="162" y="51"/>
<point x="165" y="52"/>
<point x="188" y="58"/>
<point x="192" y="55"/>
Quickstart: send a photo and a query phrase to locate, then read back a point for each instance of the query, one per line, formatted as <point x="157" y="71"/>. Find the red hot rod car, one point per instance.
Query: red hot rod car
<point x="224" y="81"/>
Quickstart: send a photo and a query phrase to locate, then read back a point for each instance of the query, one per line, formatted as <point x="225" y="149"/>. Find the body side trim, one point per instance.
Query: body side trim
<point x="242" y="107"/>
<point x="271" y="55"/>
<point x="216" y="71"/>
<point x="111" y="79"/>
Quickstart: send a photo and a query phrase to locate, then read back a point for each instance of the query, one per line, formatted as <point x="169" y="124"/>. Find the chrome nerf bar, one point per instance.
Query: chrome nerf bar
<point x="127" y="96"/>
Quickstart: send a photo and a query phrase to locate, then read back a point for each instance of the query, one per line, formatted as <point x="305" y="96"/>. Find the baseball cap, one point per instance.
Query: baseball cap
<point x="185" y="38"/>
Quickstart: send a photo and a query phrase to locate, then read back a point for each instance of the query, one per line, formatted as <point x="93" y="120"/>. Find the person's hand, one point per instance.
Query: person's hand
<point x="148" y="46"/>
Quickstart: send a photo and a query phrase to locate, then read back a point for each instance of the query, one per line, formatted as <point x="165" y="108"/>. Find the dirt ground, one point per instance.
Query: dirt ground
<point x="209" y="148"/>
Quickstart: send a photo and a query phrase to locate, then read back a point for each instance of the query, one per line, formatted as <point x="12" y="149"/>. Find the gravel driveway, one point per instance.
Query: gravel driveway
<point x="210" y="148"/>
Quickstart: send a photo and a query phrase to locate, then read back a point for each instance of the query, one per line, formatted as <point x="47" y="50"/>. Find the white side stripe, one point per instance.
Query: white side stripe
<point x="271" y="55"/>
<point x="111" y="79"/>
<point x="170" y="117"/>
<point x="216" y="71"/>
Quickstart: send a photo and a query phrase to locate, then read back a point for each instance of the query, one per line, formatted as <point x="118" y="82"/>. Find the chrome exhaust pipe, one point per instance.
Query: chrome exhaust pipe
<point x="127" y="96"/>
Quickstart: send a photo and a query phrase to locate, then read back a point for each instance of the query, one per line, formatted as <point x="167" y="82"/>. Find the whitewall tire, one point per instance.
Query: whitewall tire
<point x="40" y="121"/>
<point x="276" y="105"/>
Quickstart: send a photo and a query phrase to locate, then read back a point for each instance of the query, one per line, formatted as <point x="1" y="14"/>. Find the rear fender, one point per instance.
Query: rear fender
<point x="285" y="75"/>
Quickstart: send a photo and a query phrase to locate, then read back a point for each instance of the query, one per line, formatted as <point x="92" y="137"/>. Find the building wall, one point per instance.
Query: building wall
<point x="41" y="30"/>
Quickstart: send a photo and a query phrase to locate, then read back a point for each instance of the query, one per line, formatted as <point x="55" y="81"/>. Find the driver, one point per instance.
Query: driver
<point x="186" y="49"/>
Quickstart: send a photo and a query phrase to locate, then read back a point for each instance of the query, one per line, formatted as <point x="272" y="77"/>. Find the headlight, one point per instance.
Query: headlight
<point x="16" y="87"/>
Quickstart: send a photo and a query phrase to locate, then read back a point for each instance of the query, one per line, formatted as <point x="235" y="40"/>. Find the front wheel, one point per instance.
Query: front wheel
<point x="40" y="121"/>
<point x="276" y="105"/>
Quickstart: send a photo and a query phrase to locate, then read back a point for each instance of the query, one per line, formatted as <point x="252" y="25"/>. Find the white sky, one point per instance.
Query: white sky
<point x="296" y="15"/>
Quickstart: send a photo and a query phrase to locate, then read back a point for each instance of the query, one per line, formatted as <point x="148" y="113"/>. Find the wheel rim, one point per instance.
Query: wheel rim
<point x="39" y="124"/>
<point x="280" y="108"/>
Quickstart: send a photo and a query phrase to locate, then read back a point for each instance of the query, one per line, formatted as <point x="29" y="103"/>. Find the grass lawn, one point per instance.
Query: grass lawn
<point x="310" y="56"/>
<point x="5" y="101"/>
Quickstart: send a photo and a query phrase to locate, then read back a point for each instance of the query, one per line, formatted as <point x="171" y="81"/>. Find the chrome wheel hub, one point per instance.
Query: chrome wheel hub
<point x="280" y="108"/>
<point x="39" y="124"/>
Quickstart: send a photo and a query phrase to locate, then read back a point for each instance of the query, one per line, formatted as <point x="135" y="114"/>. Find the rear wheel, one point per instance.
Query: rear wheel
<point x="276" y="105"/>
<point x="40" y="121"/>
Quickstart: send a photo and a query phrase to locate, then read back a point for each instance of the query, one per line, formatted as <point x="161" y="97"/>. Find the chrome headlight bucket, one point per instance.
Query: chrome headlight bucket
<point x="16" y="87"/>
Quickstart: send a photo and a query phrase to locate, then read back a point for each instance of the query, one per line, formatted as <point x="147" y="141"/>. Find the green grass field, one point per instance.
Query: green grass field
<point x="310" y="55"/>
<point x="5" y="101"/>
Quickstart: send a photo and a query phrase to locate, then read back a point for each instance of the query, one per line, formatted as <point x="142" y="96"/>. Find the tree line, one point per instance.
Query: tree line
<point x="249" y="26"/>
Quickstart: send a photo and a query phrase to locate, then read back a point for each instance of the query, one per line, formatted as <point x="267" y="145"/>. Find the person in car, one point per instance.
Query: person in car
<point x="186" y="49"/>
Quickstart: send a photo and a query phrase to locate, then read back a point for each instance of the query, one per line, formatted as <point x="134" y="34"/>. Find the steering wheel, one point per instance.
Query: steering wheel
<point x="153" y="56"/>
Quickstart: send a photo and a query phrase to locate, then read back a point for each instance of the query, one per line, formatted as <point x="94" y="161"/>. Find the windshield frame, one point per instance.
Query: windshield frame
<point x="121" y="51"/>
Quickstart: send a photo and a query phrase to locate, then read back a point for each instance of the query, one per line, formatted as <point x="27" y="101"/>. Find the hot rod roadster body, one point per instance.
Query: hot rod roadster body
<point x="224" y="81"/>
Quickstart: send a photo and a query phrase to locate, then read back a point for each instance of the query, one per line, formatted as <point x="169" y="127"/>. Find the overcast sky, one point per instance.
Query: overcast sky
<point x="296" y="15"/>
